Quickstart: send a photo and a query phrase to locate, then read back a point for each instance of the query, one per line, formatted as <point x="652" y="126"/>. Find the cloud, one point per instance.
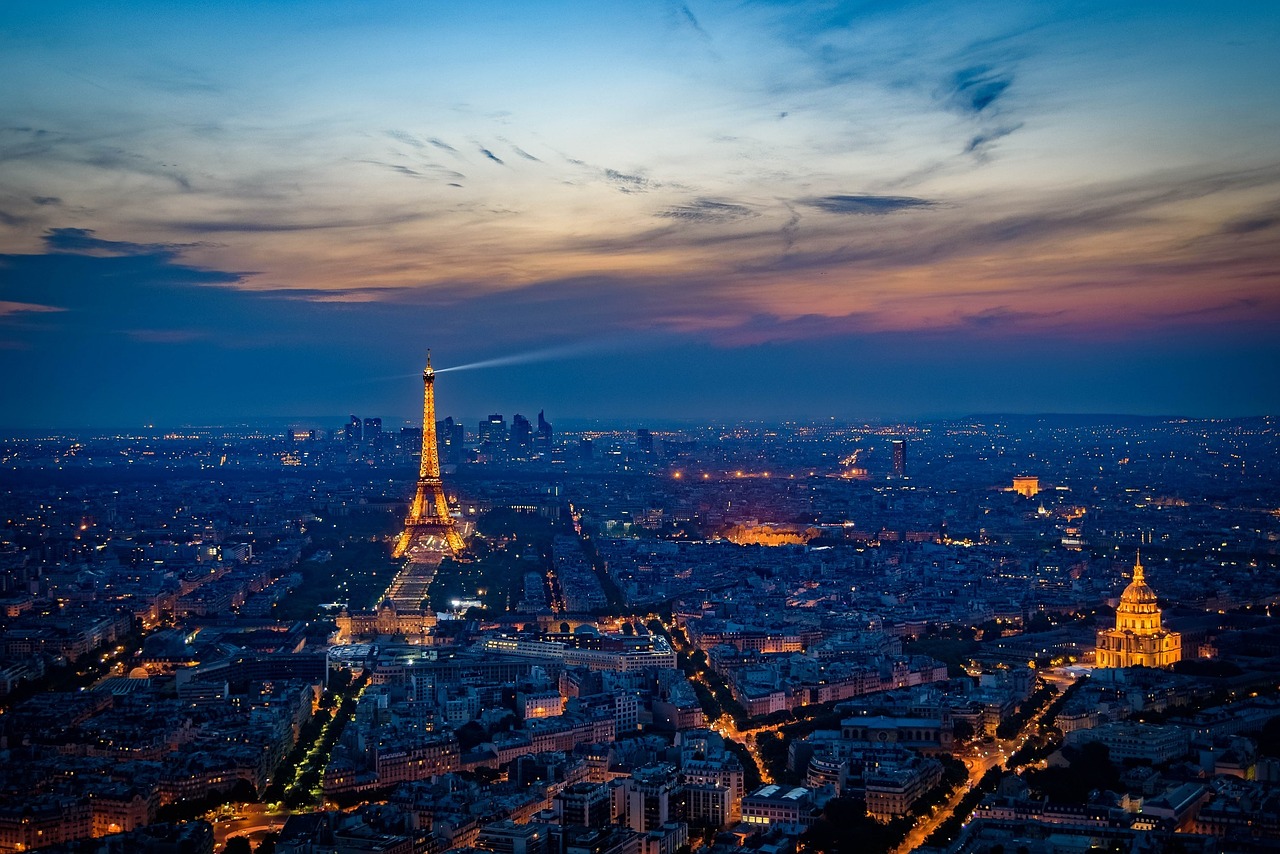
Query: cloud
<point x="7" y="308"/>
<point x="691" y="20"/>
<point x="495" y="158"/>
<point x="396" y="167"/>
<point x="442" y="145"/>
<point x="272" y="225"/>
<point x="54" y="150"/>
<point x="203" y="338"/>
<point x="1260" y="221"/>
<point x="405" y="137"/>
<point x="424" y="170"/>
<point x="1003" y="318"/>
<point x="179" y="79"/>
<point x="526" y="155"/>
<point x="46" y="200"/>
<point x="91" y="286"/>
<point x="975" y="89"/>
<point x="706" y="210"/>
<point x="84" y="240"/>
<point x="118" y="159"/>
<point x="1249" y="226"/>
<point x="20" y="143"/>
<point x="866" y="204"/>
<point x="981" y="143"/>
<point x="1236" y="308"/>
<point x="625" y="182"/>
<point x="167" y="336"/>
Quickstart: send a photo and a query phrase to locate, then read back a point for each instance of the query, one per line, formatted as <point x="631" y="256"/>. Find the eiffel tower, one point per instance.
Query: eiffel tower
<point x="429" y="513"/>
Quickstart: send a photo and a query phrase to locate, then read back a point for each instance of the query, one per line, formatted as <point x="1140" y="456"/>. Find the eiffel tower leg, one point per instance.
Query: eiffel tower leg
<point x="402" y="544"/>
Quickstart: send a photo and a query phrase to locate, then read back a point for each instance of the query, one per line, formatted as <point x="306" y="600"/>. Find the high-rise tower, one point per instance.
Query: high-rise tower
<point x="429" y="513"/>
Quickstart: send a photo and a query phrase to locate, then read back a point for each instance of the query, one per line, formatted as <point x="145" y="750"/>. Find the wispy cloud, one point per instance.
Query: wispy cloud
<point x="981" y="143"/>
<point x="1263" y="220"/>
<point x="691" y="20"/>
<point x="975" y="89"/>
<point x="8" y="307"/>
<point x="168" y="336"/>
<point x="866" y="204"/>
<point x="405" y="137"/>
<point x="397" y="167"/>
<point x="706" y="210"/>
<point x="86" y="240"/>
<point x="272" y="226"/>
<point x="1003" y="318"/>
<point x="626" y="182"/>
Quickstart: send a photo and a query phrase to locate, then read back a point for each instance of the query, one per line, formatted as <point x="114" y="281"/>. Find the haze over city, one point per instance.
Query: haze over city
<point x="226" y="211"/>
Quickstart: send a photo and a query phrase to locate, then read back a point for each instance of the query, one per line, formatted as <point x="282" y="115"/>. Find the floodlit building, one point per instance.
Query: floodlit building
<point x="1139" y="639"/>
<point x="1026" y="486"/>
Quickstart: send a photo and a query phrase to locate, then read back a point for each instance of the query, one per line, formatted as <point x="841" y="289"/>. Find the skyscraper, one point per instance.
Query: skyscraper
<point x="899" y="458"/>
<point x="521" y="437"/>
<point x="373" y="432"/>
<point x="453" y="435"/>
<point x="542" y="439"/>
<point x="458" y="441"/>
<point x="493" y="430"/>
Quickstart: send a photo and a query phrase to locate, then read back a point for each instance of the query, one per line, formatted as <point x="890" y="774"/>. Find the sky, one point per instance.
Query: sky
<point x="220" y="211"/>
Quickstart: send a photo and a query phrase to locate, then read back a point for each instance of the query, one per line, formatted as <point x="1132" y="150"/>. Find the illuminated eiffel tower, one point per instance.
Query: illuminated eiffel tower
<point x="429" y="513"/>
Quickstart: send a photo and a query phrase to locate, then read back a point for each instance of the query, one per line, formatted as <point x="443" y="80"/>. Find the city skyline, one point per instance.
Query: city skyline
<point x="703" y="210"/>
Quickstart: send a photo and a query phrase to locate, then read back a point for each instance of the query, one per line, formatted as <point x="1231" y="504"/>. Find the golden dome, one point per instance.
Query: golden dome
<point x="1137" y="596"/>
<point x="1138" y="591"/>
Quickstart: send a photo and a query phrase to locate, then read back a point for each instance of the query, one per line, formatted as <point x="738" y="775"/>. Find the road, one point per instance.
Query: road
<point x="747" y="738"/>
<point x="252" y="820"/>
<point x="995" y="754"/>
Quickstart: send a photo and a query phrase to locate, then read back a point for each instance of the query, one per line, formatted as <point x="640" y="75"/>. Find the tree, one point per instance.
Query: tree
<point x="238" y="845"/>
<point x="846" y="827"/>
<point x="772" y="748"/>
<point x="1039" y="622"/>
<point x="1090" y="769"/>
<point x="1269" y="738"/>
<point x="471" y="735"/>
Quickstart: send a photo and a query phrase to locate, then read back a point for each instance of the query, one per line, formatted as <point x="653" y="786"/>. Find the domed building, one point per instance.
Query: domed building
<point x="1138" y="640"/>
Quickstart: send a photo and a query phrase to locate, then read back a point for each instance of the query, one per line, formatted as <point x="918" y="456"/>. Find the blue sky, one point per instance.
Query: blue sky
<point x="709" y="210"/>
